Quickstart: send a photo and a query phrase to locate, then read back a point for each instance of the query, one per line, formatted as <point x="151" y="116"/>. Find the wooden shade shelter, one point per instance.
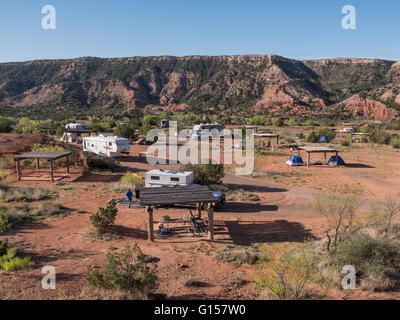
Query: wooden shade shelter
<point x="270" y="136"/>
<point x="324" y="150"/>
<point x="48" y="156"/>
<point x="165" y="196"/>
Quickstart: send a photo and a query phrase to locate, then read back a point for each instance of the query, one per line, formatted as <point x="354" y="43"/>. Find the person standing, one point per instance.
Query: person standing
<point x="129" y="196"/>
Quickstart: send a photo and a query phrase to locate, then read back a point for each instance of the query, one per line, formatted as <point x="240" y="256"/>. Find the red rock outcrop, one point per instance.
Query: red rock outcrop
<point x="364" y="108"/>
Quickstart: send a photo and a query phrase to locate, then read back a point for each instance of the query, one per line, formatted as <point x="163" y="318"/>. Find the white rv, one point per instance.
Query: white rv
<point x="206" y="131"/>
<point x="170" y="178"/>
<point x="159" y="178"/>
<point x="110" y="146"/>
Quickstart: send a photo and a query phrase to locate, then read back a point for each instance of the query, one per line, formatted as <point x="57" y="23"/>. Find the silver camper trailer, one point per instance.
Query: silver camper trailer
<point x="110" y="146"/>
<point x="160" y="178"/>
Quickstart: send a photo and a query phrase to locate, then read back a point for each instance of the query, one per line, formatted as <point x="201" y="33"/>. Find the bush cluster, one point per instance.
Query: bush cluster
<point x="128" y="271"/>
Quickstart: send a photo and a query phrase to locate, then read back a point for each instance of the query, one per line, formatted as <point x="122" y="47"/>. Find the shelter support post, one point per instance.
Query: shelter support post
<point x="37" y="164"/>
<point x="18" y="168"/>
<point x="277" y="140"/>
<point x="308" y="158"/>
<point x="198" y="206"/>
<point x="210" y="221"/>
<point x="67" y="164"/>
<point x="325" y="156"/>
<point x="150" y="234"/>
<point x="51" y="171"/>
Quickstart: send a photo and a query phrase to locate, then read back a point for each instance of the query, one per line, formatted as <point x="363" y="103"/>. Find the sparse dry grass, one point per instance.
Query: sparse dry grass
<point x="24" y="194"/>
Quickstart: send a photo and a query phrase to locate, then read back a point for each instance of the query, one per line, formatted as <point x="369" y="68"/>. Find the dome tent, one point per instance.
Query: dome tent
<point x="323" y="139"/>
<point x="295" y="161"/>
<point x="340" y="161"/>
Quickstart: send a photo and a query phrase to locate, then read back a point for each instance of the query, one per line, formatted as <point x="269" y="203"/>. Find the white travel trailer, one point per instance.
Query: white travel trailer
<point x="160" y="178"/>
<point x="110" y="146"/>
<point x="206" y="131"/>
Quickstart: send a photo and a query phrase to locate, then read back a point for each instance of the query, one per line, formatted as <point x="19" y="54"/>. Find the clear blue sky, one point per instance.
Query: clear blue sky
<point x="301" y="29"/>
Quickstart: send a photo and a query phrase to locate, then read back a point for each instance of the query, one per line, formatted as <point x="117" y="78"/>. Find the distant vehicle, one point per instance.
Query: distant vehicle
<point x="109" y="146"/>
<point x="348" y="130"/>
<point x="207" y="131"/>
<point x="169" y="178"/>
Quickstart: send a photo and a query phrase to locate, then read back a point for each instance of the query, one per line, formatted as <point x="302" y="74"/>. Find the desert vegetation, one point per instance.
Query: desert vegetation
<point x="128" y="272"/>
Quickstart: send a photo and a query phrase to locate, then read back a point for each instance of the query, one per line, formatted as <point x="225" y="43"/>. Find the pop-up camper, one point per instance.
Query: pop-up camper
<point x="159" y="178"/>
<point x="110" y="146"/>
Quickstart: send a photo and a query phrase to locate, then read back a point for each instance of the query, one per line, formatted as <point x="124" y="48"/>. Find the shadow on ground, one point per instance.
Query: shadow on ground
<point x="248" y="232"/>
<point x="95" y="177"/>
<point x="255" y="188"/>
<point x="358" y="166"/>
<point x="247" y="208"/>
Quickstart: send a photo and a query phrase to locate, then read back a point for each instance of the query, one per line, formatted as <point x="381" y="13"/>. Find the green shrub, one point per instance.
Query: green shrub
<point x="5" y="125"/>
<point x="290" y="275"/>
<point x="131" y="178"/>
<point x="206" y="174"/>
<point x="373" y="259"/>
<point x="3" y="247"/>
<point x="128" y="271"/>
<point x="326" y="132"/>
<point x="5" y="225"/>
<point x="310" y="123"/>
<point x="278" y="122"/>
<point x="346" y="143"/>
<point x="259" y="120"/>
<point x="300" y="135"/>
<point x="10" y="261"/>
<point x="395" y="143"/>
<point x="379" y="136"/>
<point x="312" y="137"/>
<point x="292" y="122"/>
<point x="104" y="218"/>
<point x="95" y="161"/>
<point x="239" y="254"/>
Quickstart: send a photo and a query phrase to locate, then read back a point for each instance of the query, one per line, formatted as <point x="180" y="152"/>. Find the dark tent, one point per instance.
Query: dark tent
<point x="340" y="161"/>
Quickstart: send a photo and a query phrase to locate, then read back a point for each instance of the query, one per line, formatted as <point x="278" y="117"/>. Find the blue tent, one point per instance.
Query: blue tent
<point x="295" y="161"/>
<point x="324" y="139"/>
<point x="340" y="161"/>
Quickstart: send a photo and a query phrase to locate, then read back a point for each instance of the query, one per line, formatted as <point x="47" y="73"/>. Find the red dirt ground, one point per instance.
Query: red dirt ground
<point x="282" y="215"/>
